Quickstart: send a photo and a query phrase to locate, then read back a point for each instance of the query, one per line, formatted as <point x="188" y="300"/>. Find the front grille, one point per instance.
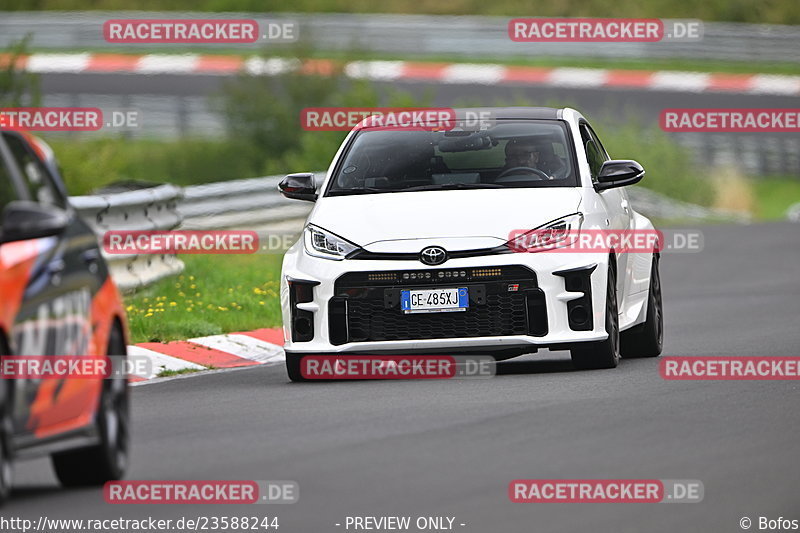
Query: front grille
<point x="366" y="305"/>
<point x="458" y="254"/>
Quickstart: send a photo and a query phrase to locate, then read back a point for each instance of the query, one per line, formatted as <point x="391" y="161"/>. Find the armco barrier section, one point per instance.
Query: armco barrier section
<point x="144" y="209"/>
<point x="432" y="35"/>
<point x="245" y="204"/>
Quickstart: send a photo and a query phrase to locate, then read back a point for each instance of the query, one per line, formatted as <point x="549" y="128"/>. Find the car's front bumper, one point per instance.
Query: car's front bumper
<point x="552" y="280"/>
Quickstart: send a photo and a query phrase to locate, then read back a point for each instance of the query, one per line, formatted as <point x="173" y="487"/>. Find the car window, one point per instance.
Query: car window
<point x="595" y="153"/>
<point x="7" y="191"/>
<point x="36" y="176"/>
<point x="511" y="154"/>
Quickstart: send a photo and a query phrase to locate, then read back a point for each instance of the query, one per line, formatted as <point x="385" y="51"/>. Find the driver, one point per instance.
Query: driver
<point x="524" y="152"/>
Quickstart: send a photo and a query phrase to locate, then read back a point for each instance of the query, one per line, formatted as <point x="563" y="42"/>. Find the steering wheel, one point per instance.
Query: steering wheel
<point x="541" y="175"/>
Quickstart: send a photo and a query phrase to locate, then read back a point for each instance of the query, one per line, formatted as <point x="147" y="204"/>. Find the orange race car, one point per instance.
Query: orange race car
<point x="56" y="299"/>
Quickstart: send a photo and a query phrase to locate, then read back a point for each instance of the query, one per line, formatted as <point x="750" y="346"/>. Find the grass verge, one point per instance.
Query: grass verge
<point x="215" y="294"/>
<point x="773" y="196"/>
<point x="170" y="373"/>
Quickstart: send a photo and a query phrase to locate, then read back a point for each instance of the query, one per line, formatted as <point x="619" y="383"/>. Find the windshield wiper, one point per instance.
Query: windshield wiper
<point x="454" y="186"/>
<point x="359" y="190"/>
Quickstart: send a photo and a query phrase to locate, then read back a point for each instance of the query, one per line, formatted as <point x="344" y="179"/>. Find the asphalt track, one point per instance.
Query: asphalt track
<point x="450" y="448"/>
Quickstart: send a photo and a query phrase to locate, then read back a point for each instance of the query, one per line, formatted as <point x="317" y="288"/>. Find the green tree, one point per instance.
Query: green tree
<point x="18" y="88"/>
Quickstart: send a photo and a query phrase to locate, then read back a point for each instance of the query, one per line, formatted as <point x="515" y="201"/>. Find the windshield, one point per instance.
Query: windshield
<point x="512" y="154"/>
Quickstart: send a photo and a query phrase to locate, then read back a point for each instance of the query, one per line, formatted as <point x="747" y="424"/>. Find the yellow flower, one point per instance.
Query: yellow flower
<point x="173" y="304"/>
<point x="129" y="308"/>
<point x="192" y="286"/>
<point x="222" y="308"/>
<point x="260" y="303"/>
<point x="191" y="278"/>
<point x="182" y="295"/>
<point x="148" y="315"/>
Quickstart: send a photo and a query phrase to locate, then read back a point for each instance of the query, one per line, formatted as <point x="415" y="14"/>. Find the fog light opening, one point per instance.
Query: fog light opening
<point x="579" y="315"/>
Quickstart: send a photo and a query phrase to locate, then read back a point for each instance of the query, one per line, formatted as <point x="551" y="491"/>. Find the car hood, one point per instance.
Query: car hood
<point x="456" y="220"/>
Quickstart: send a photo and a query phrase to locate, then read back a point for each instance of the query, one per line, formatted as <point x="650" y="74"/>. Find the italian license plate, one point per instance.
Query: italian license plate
<point x="434" y="300"/>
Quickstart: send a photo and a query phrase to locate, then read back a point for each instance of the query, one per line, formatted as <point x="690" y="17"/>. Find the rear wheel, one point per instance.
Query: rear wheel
<point x="5" y="456"/>
<point x="647" y="340"/>
<point x="108" y="460"/>
<point x="6" y="429"/>
<point x="605" y="353"/>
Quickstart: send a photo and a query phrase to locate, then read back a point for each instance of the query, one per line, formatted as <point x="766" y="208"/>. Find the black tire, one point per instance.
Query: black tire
<point x="647" y="340"/>
<point x="6" y="470"/>
<point x="108" y="460"/>
<point x="605" y="353"/>
<point x="6" y="430"/>
<point x="293" y="368"/>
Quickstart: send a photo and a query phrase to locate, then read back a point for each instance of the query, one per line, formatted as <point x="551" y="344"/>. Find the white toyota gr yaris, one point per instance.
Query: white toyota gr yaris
<point x="413" y="246"/>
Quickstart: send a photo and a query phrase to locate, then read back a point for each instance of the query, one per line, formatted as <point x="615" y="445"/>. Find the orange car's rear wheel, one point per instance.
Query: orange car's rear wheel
<point x="108" y="460"/>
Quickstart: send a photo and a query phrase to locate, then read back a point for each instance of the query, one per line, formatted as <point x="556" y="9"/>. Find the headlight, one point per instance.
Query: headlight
<point x="556" y="234"/>
<point x="321" y="243"/>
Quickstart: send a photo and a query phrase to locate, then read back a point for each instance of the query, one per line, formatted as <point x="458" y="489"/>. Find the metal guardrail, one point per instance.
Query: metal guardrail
<point x="145" y="209"/>
<point x="465" y="36"/>
<point x="248" y="203"/>
<point x="255" y="204"/>
<point x="653" y="204"/>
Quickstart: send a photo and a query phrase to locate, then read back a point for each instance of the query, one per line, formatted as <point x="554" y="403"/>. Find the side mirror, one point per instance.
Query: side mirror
<point x="618" y="173"/>
<point x="24" y="220"/>
<point x="299" y="186"/>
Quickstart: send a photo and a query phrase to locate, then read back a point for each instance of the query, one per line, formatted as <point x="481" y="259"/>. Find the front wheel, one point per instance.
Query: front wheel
<point x="647" y="339"/>
<point x="605" y="353"/>
<point x="5" y="453"/>
<point x="108" y="460"/>
<point x="293" y="368"/>
<point x="6" y="431"/>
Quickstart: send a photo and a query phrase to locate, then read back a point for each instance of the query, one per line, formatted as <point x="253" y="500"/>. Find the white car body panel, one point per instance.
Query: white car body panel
<point x="411" y="215"/>
<point x="403" y="223"/>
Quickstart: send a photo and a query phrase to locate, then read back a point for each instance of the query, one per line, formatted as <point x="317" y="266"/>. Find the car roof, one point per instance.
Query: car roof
<point x="507" y="113"/>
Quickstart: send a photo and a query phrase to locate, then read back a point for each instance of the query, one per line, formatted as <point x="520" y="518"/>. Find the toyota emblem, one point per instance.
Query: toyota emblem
<point x="433" y="255"/>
